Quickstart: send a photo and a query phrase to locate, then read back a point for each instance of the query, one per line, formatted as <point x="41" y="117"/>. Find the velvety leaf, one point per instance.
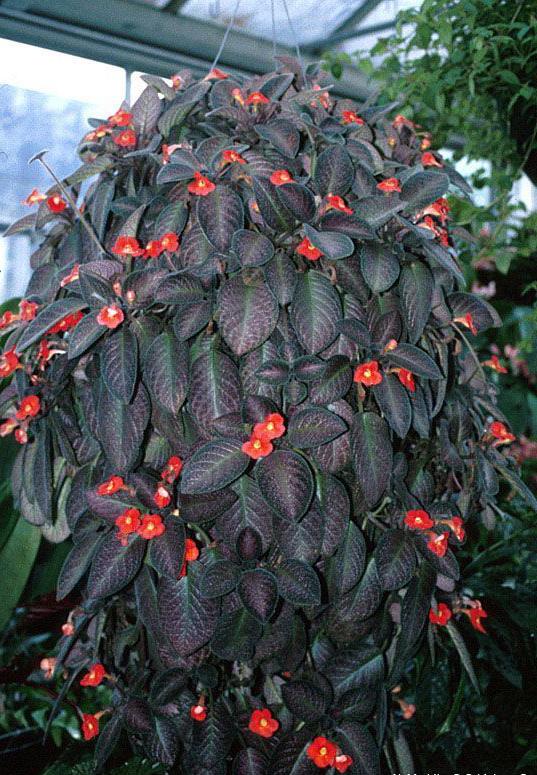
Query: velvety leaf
<point x="286" y="483"/>
<point x="108" y="739"/>
<point x="298" y="199"/>
<point x="119" y="358"/>
<point x="289" y="756"/>
<point x="86" y="332"/>
<point x="213" y="466"/>
<point x="114" y="566"/>
<point x="379" y="265"/>
<point x="282" y="135"/>
<point x="359" y="668"/>
<point x="377" y="210"/>
<point x="332" y="244"/>
<point x="248" y="314"/>
<point x="314" y="426"/>
<point x="167" y="550"/>
<point x="172" y="218"/>
<point x="236" y="635"/>
<point x="122" y="427"/>
<point x="259" y="592"/>
<point x="447" y="565"/>
<point x="48" y="317"/>
<point x="220" y="215"/>
<point x="483" y="314"/>
<point x="334" y="171"/>
<point x="248" y="511"/>
<point x="281" y="277"/>
<point x="214" y="387"/>
<point x="335" y="508"/>
<point x="464" y="654"/>
<point x="356" y="331"/>
<point x="252" y="248"/>
<point x="188" y="321"/>
<point x="166" y="371"/>
<point x="394" y="403"/>
<point x="302" y="540"/>
<point x="439" y="256"/>
<point x="298" y="583"/>
<point x="362" y="600"/>
<point x="274" y="213"/>
<point x="76" y="563"/>
<point x="179" y="289"/>
<point x="415" y="360"/>
<point x="315" y="311"/>
<point x="347" y="224"/>
<point x="219" y="579"/>
<point x="372" y="454"/>
<point x="416" y="293"/>
<point x="304" y="700"/>
<point x="335" y="382"/>
<point x="358" y="742"/>
<point x="422" y="188"/>
<point x="395" y="558"/>
<point x="274" y="372"/>
<point x="205" y="508"/>
<point x="96" y="290"/>
<point x="348" y="563"/>
<point x="249" y="761"/>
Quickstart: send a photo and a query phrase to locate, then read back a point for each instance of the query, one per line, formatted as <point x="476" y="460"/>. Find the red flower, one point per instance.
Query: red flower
<point x="457" y="526"/>
<point x="500" y="432"/>
<point x="281" y="177"/>
<point x="191" y="554"/>
<point x="334" y="202"/>
<point x="406" y="378"/>
<point x="172" y="469"/>
<point x="418" y="519"/>
<point x="162" y="497"/>
<point x="425" y="143"/>
<point x="494" y="363"/>
<point x="216" y="75"/>
<point x="272" y="427"/>
<point x="9" y="361"/>
<point x="68" y="629"/>
<point x="323" y="99"/>
<point x="467" y="321"/>
<point x="28" y="309"/>
<point x="443" y="237"/>
<point x="34" y="198"/>
<point x="428" y="159"/>
<point x="475" y="614"/>
<point x="350" y="117"/>
<point x="257" y="447"/>
<point x="7" y="319"/>
<point x="127" y="246"/>
<point x="177" y="81"/>
<point x="438" y="544"/>
<point x="309" y="251"/>
<point x="262" y="723"/>
<point x="391" y="345"/>
<point x="198" y="712"/>
<point x="56" y="204"/>
<point x="170" y="242"/>
<point x="99" y="133"/>
<point x="237" y="96"/>
<point x="232" y="157"/>
<point x="21" y="437"/>
<point x="153" y="249"/>
<point x="94" y="676"/>
<point x="71" y="277"/>
<point x="201" y="186"/>
<point x="120" y="118"/>
<point x="322" y="752"/>
<point x="342" y="762"/>
<point x="29" y="407"/>
<point x="90" y="726"/>
<point x="128" y="522"/>
<point x="439" y="208"/>
<point x="112" y="485"/>
<point x="68" y="322"/>
<point x="441" y="616"/>
<point x="390" y="184"/>
<point x="125" y="139"/>
<point x="368" y="374"/>
<point x="407" y="709"/>
<point x="257" y="98"/>
<point x="7" y="427"/>
<point x="400" y="120"/>
<point x="151" y="526"/>
<point x="111" y="316"/>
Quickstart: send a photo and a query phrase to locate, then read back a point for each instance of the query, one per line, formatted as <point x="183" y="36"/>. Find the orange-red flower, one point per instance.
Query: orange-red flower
<point x="7" y="427"/>
<point x="322" y="752"/>
<point x="71" y="277"/>
<point x="281" y="177"/>
<point x="111" y="316"/>
<point x="438" y="544"/>
<point x="120" y="118"/>
<point x="428" y="159"/>
<point x="198" y="712"/>
<point x="390" y="184"/>
<point x="475" y="614"/>
<point x="112" y="485"/>
<point x="494" y="363"/>
<point x="406" y="378"/>
<point x="90" y="726"/>
<point x="334" y="202"/>
<point x="128" y="522"/>
<point x="441" y="616"/>
<point x="257" y="447"/>
<point x="468" y="322"/>
<point x="342" y="762"/>
<point x="29" y="407"/>
<point x="309" y="251"/>
<point x="216" y="75"/>
<point x="368" y="374"/>
<point x="21" y="437"/>
<point x="323" y="98"/>
<point x="232" y="157"/>
<point x="425" y="143"/>
<point x="501" y="434"/>
<point x="68" y="629"/>
<point x="170" y="242"/>
<point x="125" y="139"/>
<point x="272" y="427"/>
<point x="56" y="204"/>
<point x="162" y="497"/>
<point x="172" y="469"/>
<point x="191" y="554"/>
<point x="7" y="319"/>
<point x="34" y="198"/>
<point x="151" y="526"/>
<point x="443" y="236"/>
<point x="177" y="81"/>
<point x="262" y="723"/>
<point x="418" y="519"/>
<point x="350" y="117"/>
<point x="48" y="665"/>
<point x="201" y="186"/>
<point x="400" y="120"/>
<point x="457" y="526"/>
<point x="237" y="96"/>
<point x="66" y="323"/>
<point x="257" y="98"/>
<point x="94" y="676"/>
<point x="98" y="133"/>
<point x="9" y="361"/>
<point x="153" y="249"/>
<point x="127" y="246"/>
<point x="440" y="208"/>
<point x="408" y="709"/>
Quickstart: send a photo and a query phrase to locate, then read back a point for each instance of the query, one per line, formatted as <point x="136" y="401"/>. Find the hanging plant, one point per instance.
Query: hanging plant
<point x="244" y="385"/>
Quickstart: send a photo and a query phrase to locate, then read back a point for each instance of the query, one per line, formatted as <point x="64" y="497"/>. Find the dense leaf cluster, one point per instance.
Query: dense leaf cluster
<point x="310" y="593"/>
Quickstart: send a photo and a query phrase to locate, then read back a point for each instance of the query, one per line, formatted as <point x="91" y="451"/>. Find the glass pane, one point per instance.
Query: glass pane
<point x="45" y="102"/>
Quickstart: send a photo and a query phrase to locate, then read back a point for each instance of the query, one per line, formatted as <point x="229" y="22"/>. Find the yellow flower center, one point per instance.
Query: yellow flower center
<point x="150" y="526"/>
<point x="310" y="246"/>
<point x="90" y="725"/>
<point x="270" y="426"/>
<point x="322" y="751"/>
<point x="263" y="722"/>
<point x="128" y="520"/>
<point x="257" y="444"/>
<point x="367" y="373"/>
<point x="201" y="183"/>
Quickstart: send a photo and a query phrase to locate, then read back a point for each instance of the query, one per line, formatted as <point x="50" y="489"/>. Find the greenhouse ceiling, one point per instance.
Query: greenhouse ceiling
<point x="159" y="36"/>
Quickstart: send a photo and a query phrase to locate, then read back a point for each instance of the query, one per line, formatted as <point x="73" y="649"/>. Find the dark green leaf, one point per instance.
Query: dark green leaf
<point x="372" y="454"/>
<point x="286" y="483"/>
<point x="213" y="466"/>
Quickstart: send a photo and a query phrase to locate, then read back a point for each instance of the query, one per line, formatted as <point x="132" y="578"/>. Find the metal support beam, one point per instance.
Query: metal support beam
<point x="347" y="27"/>
<point x="139" y="37"/>
<point x="341" y="37"/>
